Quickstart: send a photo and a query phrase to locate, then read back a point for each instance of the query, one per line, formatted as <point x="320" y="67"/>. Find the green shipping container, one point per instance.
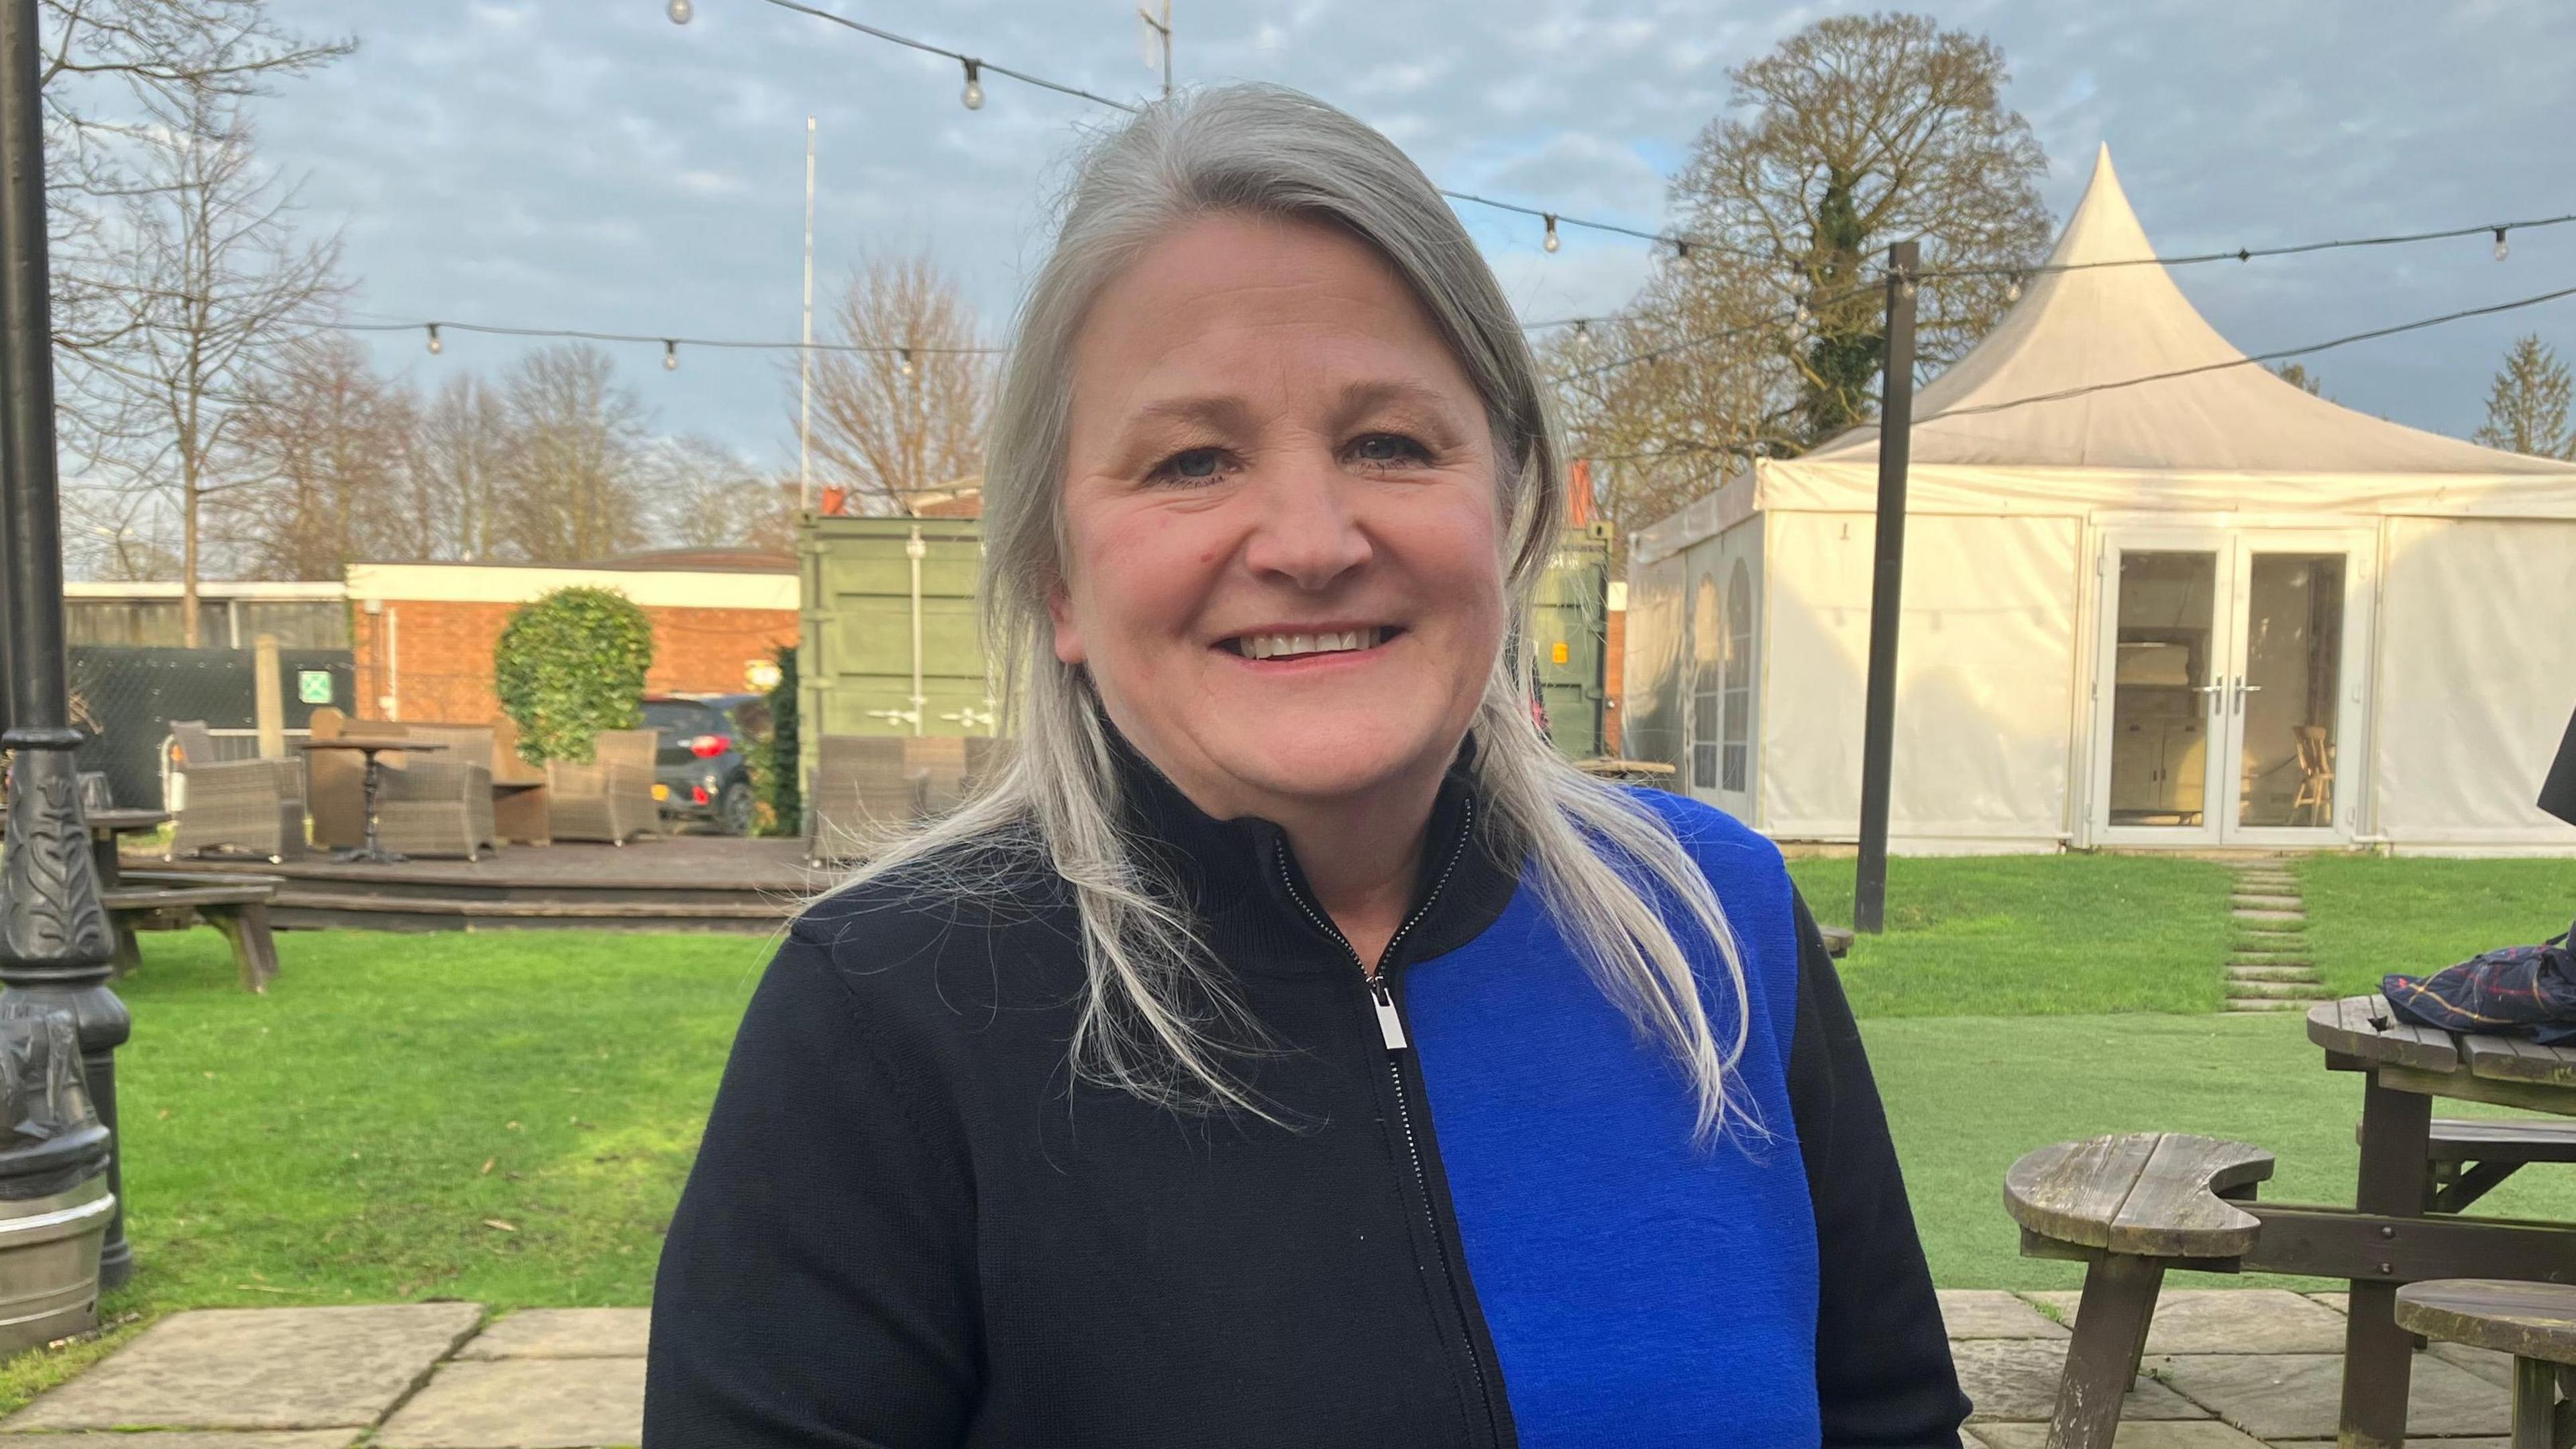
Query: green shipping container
<point x="870" y="627"/>
<point x="887" y="641"/>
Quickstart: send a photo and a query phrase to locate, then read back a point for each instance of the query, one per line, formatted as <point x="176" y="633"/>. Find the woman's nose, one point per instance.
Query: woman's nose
<point x="1306" y="533"/>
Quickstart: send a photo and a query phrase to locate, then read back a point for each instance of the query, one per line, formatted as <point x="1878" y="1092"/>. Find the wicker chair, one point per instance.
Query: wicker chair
<point x="611" y="798"/>
<point x="939" y="761"/>
<point x="439" y="803"/>
<point x="251" y="805"/>
<point x="986" y="757"/>
<point x="861" y="785"/>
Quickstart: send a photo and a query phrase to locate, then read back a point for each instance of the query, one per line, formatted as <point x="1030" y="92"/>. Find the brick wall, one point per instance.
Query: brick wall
<point x="442" y="654"/>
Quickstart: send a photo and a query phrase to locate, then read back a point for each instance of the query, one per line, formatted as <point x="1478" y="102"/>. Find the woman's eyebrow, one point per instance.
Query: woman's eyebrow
<point x="1216" y="410"/>
<point x="1370" y="395"/>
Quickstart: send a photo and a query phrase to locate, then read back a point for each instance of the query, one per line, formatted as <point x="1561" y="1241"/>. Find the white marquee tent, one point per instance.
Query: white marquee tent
<point x="2208" y="610"/>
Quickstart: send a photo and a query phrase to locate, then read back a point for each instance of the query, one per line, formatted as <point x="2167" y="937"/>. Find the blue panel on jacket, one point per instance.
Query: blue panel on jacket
<point x="1640" y="1292"/>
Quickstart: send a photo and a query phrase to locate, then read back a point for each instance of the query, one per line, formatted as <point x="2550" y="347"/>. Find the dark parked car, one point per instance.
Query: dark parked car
<point x="701" y="770"/>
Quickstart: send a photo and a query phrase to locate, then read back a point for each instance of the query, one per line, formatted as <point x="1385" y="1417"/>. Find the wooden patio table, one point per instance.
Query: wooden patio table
<point x="2393" y="1236"/>
<point x="105" y="826"/>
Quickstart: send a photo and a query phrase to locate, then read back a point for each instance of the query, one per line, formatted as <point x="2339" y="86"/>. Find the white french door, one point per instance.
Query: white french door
<point x="2229" y="684"/>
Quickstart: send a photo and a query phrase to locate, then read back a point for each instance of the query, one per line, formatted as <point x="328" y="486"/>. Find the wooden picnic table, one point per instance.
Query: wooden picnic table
<point x="105" y="826"/>
<point x="2404" y="1067"/>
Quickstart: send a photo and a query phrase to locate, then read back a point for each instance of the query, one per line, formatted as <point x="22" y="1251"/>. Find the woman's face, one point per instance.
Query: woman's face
<point x="1283" y="563"/>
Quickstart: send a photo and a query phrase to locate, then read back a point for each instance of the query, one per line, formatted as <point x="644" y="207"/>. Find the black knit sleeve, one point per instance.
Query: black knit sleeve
<point x="1883" y="1370"/>
<point x="816" y="1288"/>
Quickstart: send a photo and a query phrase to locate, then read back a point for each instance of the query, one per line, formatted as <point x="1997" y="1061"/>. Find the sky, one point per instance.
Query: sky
<point x="588" y="164"/>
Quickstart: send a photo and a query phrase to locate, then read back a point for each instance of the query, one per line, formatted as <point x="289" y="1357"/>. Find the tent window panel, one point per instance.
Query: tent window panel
<point x="1708" y="633"/>
<point x="2160" y="686"/>
<point x="1737" y="738"/>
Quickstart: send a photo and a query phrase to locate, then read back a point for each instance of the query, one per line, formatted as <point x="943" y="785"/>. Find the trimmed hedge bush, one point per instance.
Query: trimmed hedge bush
<point x="569" y="665"/>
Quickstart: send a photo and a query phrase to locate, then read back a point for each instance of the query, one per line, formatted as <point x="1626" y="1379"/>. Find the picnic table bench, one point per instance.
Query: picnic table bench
<point x="2534" y="1322"/>
<point x="236" y="905"/>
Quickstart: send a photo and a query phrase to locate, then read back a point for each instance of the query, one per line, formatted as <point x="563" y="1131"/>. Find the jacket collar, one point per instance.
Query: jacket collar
<point x="1245" y="883"/>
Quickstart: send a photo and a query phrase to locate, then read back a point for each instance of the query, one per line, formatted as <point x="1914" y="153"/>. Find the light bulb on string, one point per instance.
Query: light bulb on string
<point x="434" y="345"/>
<point x="1681" y="251"/>
<point x="973" y="95"/>
<point x="2012" y="292"/>
<point x="2502" y="251"/>
<point x="906" y="355"/>
<point x="680" y="11"/>
<point x="1550" y="244"/>
<point x="670" y="355"/>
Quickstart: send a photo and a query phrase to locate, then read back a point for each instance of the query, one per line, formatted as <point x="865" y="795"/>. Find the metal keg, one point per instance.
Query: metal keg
<point x="54" y="1202"/>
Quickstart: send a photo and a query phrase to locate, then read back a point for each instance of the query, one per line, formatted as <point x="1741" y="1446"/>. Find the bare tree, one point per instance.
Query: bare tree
<point x="706" y="496"/>
<point x="570" y="489"/>
<point x="2527" y="407"/>
<point x="907" y="418"/>
<point x="215" y="290"/>
<point x="1856" y="132"/>
<point x="329" y="449"/>
<point x="116" y="77"/>
<point x="460" y="456"/>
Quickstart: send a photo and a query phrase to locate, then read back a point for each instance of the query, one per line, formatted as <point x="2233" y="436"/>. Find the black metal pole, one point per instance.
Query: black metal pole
<point x="1886" y="590"/>
<point x="54" y="942"/>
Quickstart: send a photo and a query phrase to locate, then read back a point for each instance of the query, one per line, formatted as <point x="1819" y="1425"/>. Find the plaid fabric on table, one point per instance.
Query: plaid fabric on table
<point x="2520" y="990"/>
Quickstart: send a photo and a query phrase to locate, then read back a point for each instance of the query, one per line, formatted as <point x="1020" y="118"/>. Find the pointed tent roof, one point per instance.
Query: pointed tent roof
<point x="2108" y="324"/>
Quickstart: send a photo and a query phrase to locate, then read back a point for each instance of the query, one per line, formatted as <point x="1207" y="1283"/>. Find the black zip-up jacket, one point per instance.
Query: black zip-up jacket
<point x="908" y="1227"/>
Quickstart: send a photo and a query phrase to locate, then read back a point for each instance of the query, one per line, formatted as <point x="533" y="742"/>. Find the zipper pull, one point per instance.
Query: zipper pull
<point x="1389" y="1024"/>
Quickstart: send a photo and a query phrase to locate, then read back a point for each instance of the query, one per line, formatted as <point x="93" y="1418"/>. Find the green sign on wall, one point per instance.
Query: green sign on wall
<point x="313" y="686"/>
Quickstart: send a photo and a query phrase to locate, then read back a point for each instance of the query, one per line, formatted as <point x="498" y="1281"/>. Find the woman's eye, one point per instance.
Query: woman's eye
<point x="1389" y="448"/>
<point x="1197" y="465"/>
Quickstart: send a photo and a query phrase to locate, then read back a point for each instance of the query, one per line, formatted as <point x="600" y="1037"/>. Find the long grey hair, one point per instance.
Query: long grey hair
<point x="1157" y="1018"/>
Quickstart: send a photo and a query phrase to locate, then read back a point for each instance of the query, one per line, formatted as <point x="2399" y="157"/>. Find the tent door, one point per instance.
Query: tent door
<point x="2293" y="688"/>
<point x="2226" y="687"/>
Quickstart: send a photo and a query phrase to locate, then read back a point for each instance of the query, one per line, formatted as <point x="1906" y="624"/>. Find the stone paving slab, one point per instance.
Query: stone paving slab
<point x="259" y="1368"/>
<point x="2133" y="1434"/>
<point x="526" y="1403"/>
<point x="564" y="1333"/>
<point x="299" y="1439"/>
<point x="2016" y="1380"/>
<point x="2300" y="1395"/>
<point x="1992" y="1313"/>
<point x="2230" y="1320"/>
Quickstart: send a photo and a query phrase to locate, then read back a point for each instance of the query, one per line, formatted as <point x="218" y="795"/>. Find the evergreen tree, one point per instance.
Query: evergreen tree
<point x="2527" y="407"/>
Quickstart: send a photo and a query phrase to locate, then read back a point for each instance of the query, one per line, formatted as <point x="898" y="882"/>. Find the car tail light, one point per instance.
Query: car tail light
<point x="707" y="747"/>
<point x="697" y="794"/>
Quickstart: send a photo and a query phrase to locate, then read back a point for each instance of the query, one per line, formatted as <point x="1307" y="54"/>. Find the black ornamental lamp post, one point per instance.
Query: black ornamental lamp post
<point x="54" y="942"/>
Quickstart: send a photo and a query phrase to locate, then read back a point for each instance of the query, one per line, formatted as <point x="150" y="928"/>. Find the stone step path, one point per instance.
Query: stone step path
<point x="2268" y="968"/>
<point x="2226" y="1368"/>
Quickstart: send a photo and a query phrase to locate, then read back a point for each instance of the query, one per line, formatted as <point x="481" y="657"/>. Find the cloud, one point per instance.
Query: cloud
<point x="595" y="166"/>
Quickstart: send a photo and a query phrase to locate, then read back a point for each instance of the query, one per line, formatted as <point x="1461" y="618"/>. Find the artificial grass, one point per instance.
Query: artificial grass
<point x="2368" y="916"/>
<point x="2032" y="935"/>
<point x="1965" y="1097"/>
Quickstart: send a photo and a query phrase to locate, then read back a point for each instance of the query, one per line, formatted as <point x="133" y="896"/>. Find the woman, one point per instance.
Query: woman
<point x="1288" y="1048"/>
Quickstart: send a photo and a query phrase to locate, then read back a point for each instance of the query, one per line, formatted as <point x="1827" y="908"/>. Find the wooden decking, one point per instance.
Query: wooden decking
<point x="676" y="883"/>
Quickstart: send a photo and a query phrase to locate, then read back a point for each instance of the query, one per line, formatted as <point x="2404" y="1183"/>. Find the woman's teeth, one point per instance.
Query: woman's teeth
<point x="1284" y="646"/>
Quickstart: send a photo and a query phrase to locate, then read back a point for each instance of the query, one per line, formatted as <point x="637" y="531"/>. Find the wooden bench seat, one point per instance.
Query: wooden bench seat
<point x="2470" y="1155"/>
<point x="236" y="905"/>
<point x="2534" y="1322"/>
<point x="2128" y="1207"/>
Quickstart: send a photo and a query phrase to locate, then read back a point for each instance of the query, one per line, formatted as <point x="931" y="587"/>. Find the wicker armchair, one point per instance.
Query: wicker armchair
<point x="439" y="803"/>
<point x="862" y="785"/>
<point x="611" y="798"/>
<point x="251" y="805"/>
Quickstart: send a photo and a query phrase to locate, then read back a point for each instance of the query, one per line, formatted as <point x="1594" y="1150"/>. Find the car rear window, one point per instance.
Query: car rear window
<point x="680" y="717"/>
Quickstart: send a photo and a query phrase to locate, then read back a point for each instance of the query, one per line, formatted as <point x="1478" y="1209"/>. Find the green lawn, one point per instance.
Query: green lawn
<point x="2032" y="935"/>
<point x="2368" y="916"/>
<point x="508" y="1118"/>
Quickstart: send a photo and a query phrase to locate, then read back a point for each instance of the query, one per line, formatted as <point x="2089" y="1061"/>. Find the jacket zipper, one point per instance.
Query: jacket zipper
<point x="1390" y="1023"/>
